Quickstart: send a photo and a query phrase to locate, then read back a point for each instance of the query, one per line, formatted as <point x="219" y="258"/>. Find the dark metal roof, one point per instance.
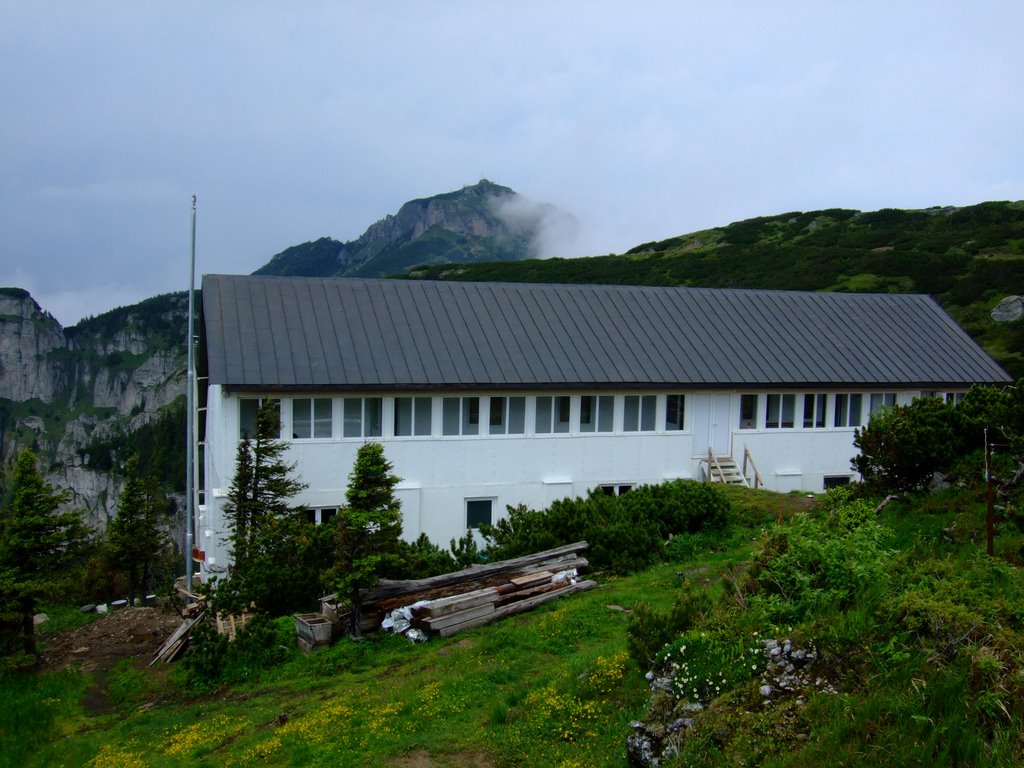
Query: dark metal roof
<point x="281" y="333"/>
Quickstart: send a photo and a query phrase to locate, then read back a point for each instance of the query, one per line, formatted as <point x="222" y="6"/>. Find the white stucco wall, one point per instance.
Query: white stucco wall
<point x="440" y="473"/>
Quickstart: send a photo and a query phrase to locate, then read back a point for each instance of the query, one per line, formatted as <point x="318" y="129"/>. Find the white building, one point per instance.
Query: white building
<point x="493" y="394"/>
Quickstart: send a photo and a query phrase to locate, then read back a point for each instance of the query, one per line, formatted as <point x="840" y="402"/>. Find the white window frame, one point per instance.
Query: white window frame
<point x="366" y="426"/>
<point x="315" y="422"/>
<point x="602" y="414"/>
<point x="417" y="404"/>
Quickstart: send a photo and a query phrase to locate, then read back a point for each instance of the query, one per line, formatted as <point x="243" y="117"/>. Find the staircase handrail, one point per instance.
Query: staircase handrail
<point x="748" y="456"/>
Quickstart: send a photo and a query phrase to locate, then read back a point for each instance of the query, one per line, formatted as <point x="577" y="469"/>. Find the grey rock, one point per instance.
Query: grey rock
<point x="1009" y="309"/>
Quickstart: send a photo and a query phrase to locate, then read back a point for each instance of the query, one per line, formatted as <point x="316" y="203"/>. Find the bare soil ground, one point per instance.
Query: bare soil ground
<point x="130" y="633"/>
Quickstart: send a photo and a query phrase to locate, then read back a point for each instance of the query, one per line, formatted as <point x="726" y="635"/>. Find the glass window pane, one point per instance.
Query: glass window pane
<point x="353" y="414"/>
<point x="470" y="415"/>
<point x="674" y="410"/>
<point x="372" y="417"/>
<point x="516" y="415"/>
<point x="496" y="419"/>
<point x="323" y="418"/>
<point x="605" y="413"/>
<point x="302" y="422"/>
<point x="478" y="512"/>
<point x="450" y="416"/>
<point x="748" y="411"/>
<point x="788" y="411"/>
<point x="842" y="405"/>
<point x="424" y="415"/>
<point x="855" y="409"/>
<point x="648" y="408"/>
<point x="587" y="403"/>
<point x="543" y="419"/>
<point x="562" y="412"/>
<point x="631" y="413"/>
<point x="247" y="408"/>
<point x="403" y="416"/>
<point x="772" y="411"/>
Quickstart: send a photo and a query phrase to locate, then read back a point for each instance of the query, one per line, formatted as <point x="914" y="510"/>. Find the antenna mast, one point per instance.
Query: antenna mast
<point x="190" y="386"/>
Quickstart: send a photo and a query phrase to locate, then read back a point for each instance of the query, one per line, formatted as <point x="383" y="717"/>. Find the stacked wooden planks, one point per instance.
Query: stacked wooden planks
<point x="445" y="605"/>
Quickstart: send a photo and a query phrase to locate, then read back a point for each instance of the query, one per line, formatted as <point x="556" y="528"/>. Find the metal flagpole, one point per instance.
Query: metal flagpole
<point x="190" y="386"/>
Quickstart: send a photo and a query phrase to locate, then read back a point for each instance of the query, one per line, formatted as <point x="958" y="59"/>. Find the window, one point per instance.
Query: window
<point x="312" y="418"/>
<point x="638" y="413"/>
<point x="507" y="415"/>
<point x="748" y="411"/>
<point x="880" y="400"/>
<point x="952" y="398"/>
<point x="615" y="490"/>
<point x="362" y="416"/>
<point x="835" y="481"/>
<point x="552" y="414"/>
<point x="848" y="409"/>
<point x="413" y="416"/>
<point x="675" y="407"/>
<point x="460" y="416"/>
<point x="597" y="413"/>
<point x="778" y="412"/>
<point x="478" y="512"/>
<point x="814" y="411"/>
<point x="247" y="408"/>
<point x="320" y="515"/>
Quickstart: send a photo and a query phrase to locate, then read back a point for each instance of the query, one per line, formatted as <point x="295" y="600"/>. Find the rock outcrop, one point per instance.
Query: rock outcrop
<point x="67" y="389"/>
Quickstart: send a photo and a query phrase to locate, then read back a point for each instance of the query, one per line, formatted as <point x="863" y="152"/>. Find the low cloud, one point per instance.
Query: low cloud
<point x="554" y="230"/>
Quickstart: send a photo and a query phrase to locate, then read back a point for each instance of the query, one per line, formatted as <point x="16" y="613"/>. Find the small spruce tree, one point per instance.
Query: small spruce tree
<point x="37" y="541"/>
<point x="261" y="521"/>
<point x="369" y="529"/>
<point x="136" y="535"/>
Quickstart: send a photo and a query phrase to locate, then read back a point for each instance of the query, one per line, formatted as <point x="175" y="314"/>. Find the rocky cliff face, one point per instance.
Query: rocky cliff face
<point x="28" y="340"/>
<point x="62" y="390"/>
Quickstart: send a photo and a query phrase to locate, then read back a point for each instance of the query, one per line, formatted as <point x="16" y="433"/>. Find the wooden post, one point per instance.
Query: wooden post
<point x="990" y="517"/>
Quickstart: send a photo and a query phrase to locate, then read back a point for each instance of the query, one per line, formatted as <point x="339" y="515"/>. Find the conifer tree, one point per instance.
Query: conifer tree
<point x="36" y="542"/>
<point x="136" y="535"/>
<point x="369" y="529"/>
<point x="262" y="523"/>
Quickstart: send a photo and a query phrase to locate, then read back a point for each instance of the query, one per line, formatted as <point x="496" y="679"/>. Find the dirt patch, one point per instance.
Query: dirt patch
<point x="422" y="759"/>
<point x="130" y="633"/>
<point x="464" y="643"/>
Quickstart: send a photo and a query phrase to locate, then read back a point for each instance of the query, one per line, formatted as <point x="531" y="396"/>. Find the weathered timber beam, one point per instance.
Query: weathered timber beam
<point x="520" y="607"/>
<point x="387" y="588"/>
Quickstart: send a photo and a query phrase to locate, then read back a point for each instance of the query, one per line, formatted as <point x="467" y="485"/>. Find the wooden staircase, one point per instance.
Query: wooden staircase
<point x="724" y="469"/>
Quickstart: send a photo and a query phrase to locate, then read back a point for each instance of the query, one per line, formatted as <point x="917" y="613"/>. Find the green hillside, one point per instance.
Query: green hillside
<point x="907" y="641"/>
<point x="967" y="258"/>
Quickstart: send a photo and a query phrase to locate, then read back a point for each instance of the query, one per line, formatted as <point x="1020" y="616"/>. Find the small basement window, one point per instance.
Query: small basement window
<point x="836" y="481"/>
<point x="478" y="512"/>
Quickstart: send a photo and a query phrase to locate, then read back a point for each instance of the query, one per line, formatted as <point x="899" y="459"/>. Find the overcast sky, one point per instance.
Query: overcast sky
<point x="645" y="120"/>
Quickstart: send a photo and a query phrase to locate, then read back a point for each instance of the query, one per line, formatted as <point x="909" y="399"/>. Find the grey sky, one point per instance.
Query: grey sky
<point x="643" y="119"/>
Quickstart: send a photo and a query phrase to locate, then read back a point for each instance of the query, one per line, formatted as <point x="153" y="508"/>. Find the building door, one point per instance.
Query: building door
<point x="712" y="424"/>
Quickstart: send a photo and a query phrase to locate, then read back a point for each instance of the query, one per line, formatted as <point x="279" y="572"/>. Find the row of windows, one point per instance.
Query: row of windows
<point x="363" y="417"/>
<point x="813" y="410"/>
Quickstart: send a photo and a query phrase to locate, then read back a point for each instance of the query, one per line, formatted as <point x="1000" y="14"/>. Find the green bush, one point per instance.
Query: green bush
<point x="625" y="533"/>
<point x="807" y="566"/>
<point x="261" y="644"/>
<point x="904" y="445"/>
<point x="649" y="631"/>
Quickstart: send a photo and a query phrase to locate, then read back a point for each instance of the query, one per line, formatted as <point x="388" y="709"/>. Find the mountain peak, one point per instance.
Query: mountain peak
<point x="479" y="222"/>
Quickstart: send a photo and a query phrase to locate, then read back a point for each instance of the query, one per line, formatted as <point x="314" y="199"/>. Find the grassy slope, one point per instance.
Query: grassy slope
<point x="967" y="258"/>
<point x="556" y="687"/>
